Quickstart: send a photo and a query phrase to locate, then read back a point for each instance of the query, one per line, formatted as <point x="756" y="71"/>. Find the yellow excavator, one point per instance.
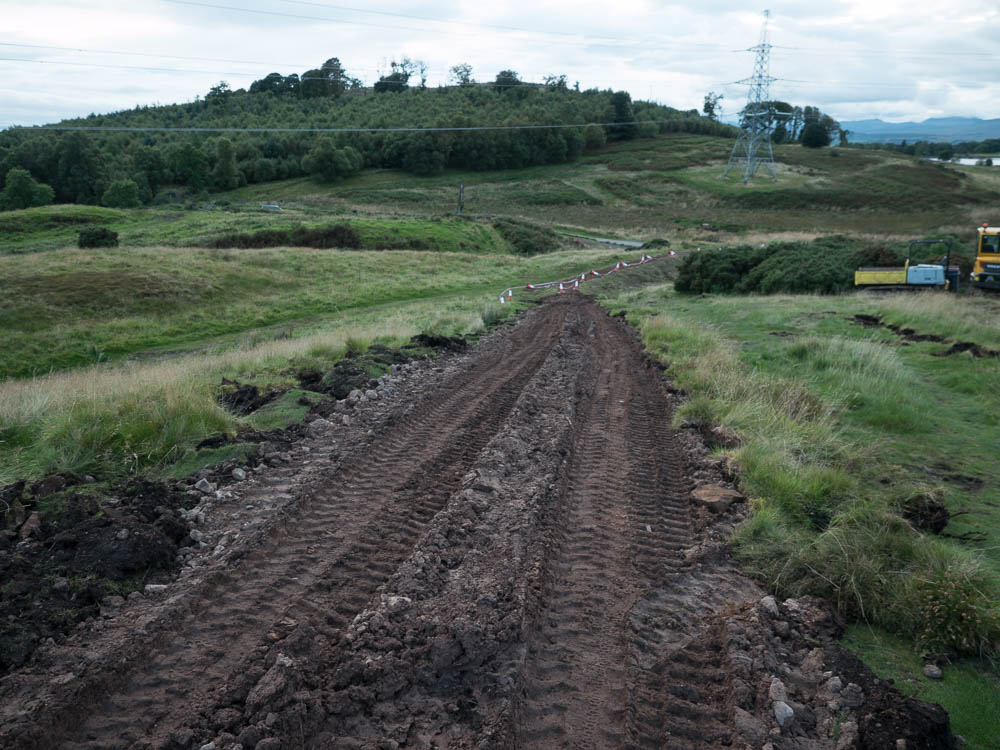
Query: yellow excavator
<point x="986" y="270"/>
<point x="912" y="276"/>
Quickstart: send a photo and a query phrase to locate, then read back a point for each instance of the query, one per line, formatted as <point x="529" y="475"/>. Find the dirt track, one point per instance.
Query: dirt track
<point x="505" y="557"/>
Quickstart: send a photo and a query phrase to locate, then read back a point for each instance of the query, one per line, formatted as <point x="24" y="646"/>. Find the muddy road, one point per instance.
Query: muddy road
<point x="497" y="551"/>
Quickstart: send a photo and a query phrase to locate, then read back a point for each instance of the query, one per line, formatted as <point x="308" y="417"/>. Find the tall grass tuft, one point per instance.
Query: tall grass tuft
<point x="112" y="421"/>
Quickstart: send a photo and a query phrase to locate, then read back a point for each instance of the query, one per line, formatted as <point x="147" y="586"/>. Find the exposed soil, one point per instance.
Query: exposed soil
<point x="361" y="371"/>
<point x="504" y="548"/>
<point x="909" y="334"/>
<point x="91" y="550"/>
<point x="243" y="398"/>
<point x="978" y="352"/>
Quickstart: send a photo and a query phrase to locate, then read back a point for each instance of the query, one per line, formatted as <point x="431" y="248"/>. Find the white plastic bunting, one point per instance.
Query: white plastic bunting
<point x="508" y="294"/>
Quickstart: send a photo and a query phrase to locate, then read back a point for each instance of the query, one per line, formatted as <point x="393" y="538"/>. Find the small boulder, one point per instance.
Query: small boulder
<point x="319" y="427"/>
<point x="852" y="695"/>
<point x="715" y="497"/>
<point x="32" y="526"/>
<point x="770" y="605"/>
<point x="203" y="485"/>
<point x="239" y="474"/>
<point x="777" y="691"/>
<point x="748" y="726"/>
<point x="932" y="671"/>
<point x="275" y="687"/>
<point x="783" y="714"/>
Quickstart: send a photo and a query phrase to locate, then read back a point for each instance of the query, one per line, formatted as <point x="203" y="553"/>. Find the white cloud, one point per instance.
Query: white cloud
<point x="853" y="58"/>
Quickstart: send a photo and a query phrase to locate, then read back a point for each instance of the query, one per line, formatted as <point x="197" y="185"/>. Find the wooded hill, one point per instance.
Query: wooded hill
<point x="81" y="166"/>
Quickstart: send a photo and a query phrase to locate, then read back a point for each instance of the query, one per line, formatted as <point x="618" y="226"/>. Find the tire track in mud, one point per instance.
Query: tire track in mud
<point x="506" y="564"/>
<point x="623" y="529"/>
<point x="327" y="563"/>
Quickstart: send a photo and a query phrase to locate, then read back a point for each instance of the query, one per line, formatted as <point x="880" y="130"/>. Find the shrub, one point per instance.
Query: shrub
<point x="334" y="235"/>
<point x="656" y="243"/>
<point x="121" y="194"/>
<point x="22" y="191"/>
<point x="97" y="237"/>
<point x="814" y="135"/>
<point x="594" y="137"/>
<point x="648" y="129"/>
<point x="526" y="238"/>
<point x="823" y="266"/>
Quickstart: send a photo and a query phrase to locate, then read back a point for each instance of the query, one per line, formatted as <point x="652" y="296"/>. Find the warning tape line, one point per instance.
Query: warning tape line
<point x="564" y="284"/>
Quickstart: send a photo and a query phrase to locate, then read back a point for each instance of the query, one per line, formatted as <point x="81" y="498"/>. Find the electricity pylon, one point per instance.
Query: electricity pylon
<point x="753" y="145"/>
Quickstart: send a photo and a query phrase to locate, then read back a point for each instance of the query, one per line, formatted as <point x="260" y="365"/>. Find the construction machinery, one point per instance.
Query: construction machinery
<point x="986" y="270"/>
<point x="912" y="276"/>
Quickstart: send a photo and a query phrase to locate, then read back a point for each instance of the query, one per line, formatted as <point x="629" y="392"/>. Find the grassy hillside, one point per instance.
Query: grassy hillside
<point x="668" y="185"/>
<point x="202" y="224"/>
<point x="672" y="185"/>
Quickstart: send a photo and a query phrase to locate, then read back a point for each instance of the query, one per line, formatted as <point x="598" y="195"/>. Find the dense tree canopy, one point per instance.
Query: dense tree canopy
<point x="22" y="191"/>
<point x="122" y="194"/>
<point x="815" y="135"/>
<point x="81" y="165"/>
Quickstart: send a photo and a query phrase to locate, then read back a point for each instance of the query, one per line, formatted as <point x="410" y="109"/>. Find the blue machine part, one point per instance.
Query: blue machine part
<point x="925" y="275"/>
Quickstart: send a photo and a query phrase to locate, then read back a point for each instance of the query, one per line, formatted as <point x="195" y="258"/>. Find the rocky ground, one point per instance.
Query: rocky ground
<point x="509" y="547"/>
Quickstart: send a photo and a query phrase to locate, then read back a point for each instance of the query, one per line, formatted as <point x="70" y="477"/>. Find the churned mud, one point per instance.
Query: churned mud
<point x="508" y="547"/>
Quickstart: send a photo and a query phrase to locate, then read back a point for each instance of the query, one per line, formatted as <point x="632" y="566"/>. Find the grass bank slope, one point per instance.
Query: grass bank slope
<point x="851" y="440"/>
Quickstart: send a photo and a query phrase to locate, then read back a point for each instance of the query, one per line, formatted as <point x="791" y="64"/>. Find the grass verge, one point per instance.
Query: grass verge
<point x="846" y="435"/>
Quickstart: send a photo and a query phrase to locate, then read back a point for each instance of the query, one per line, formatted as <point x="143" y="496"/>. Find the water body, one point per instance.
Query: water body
<point x="971" y="162"/>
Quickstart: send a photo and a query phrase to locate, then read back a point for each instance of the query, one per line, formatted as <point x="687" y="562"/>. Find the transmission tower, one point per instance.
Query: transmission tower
<point x="753" y="145"/>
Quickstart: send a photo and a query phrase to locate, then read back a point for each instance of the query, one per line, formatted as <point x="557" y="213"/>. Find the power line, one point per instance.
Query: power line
<point x="403" y="129"/>
<point x="438" y="20"/>
<point x="594" y="40"/>
<point x="120" y="66"/>
<point x="884" y="52"/>
<point x="274" y="13"/>
<point x="123" y="67"/>
<point x="84" y="50"/>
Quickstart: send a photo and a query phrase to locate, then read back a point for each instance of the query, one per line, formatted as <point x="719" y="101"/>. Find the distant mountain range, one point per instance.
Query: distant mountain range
<point x="943" y="129"/>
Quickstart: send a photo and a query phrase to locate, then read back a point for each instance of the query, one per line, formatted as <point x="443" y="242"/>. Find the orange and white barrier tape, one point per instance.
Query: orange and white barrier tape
<point x="508" y="294"/>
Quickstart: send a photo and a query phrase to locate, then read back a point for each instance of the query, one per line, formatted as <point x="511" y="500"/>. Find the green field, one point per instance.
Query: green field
<point x="846" y="434"/>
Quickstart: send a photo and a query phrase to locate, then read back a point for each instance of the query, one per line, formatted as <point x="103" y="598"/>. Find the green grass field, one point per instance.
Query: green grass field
<point x="113" y="357"/>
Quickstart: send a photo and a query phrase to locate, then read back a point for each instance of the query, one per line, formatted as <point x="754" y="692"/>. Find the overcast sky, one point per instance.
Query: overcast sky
<point x="855" y="59"/>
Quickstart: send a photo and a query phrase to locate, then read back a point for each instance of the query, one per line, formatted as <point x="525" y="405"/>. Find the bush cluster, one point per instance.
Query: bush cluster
<point x="823" y="266"/>
<point x="97" y="237"/>
<point x="526" y="238"/>
<point x="334" y="235"/>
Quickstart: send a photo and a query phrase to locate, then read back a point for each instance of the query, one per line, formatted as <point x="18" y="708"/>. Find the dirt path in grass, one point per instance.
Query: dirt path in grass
<point x="499" y="552"/>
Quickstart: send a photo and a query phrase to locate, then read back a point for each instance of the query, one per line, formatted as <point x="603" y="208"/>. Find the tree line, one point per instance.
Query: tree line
<point x="786" y="122"/>
<point x="940" y="150"/>
<point x="141" y="167"/>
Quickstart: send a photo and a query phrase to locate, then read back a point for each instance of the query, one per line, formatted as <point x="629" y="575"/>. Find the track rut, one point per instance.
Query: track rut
<point x="503" y="563"/>
<point x="327" y="564"/>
